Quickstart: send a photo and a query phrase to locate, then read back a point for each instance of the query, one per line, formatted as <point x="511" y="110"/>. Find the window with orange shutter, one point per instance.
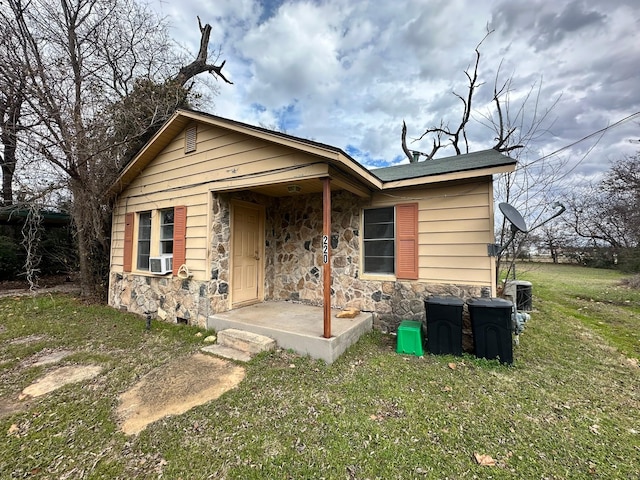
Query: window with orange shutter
<point x="167" y="230"/>
<point x="390" y="241"/>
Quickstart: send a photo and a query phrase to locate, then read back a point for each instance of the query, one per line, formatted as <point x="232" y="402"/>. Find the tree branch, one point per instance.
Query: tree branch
<point x="460" y="131"/>
<point x="407" y="152"/>
<point x="200" y="65"/>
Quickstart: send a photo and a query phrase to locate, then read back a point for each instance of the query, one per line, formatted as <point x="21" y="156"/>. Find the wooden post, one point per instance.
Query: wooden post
<point x="326" y="253"/>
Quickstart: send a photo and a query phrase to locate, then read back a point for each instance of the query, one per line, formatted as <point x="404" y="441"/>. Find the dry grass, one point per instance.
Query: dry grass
<point x="566" y="409"/>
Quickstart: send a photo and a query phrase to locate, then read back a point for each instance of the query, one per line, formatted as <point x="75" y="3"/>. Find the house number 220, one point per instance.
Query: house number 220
<point x="325" y="249"/>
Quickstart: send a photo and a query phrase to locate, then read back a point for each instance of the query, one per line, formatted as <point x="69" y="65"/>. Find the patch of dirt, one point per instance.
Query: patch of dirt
<point x="46" y="357"/>
<point x="49" y="284"/>
<point x="29" y="339"/>
<point x="170" y="389"/>
<point x="175" y="388"/>
<point x="634" y="362"/>
<point x="9" y="407"/>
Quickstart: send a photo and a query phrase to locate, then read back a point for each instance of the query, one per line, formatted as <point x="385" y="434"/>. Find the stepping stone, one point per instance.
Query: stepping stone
<point x="227" y="352"/>
<point x="245" y="341"/>
<point x="54" y="357"/>
<point x="239" y="345"/>
<point x="60" y="377"/>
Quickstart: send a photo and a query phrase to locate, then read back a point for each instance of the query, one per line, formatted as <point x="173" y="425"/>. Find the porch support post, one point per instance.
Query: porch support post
<point x="326" y="253"/>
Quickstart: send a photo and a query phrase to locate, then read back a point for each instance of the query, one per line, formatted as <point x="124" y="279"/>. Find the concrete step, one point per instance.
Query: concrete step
<point x="251" y="343"/>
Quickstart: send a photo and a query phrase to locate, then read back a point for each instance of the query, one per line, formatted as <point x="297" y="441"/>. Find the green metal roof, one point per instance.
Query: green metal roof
<point x="439" y="166"/>
<point x="12" y="215"/>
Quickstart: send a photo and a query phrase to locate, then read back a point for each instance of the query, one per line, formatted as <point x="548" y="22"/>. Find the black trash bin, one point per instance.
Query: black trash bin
<point x="444" y="325"/>
<point x="492" y="328"/>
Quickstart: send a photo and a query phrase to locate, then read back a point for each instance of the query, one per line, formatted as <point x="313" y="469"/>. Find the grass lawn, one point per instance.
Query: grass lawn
<point x="569" y="407"/>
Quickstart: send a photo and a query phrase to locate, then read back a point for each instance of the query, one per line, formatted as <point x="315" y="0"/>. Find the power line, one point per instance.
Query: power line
<point x="593" y="134"/>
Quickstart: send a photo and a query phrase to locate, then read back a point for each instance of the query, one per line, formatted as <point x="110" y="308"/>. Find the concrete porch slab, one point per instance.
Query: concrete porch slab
<point x="296" y="326"/>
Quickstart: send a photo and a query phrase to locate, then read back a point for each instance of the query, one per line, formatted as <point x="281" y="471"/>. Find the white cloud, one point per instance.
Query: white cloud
<point x="348" y="73"/>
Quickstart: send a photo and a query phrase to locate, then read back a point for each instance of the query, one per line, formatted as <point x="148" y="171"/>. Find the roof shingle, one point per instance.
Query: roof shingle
<point x="438" y="166"/>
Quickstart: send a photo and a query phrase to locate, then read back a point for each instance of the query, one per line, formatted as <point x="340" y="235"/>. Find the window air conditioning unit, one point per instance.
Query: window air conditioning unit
<point x="161" y="264"/>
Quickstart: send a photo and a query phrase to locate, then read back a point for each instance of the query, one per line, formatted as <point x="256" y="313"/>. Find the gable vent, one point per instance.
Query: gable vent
<point x="190" y="140"/>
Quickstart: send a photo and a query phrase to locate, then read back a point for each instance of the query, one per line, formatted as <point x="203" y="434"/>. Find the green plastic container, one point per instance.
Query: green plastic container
<point x="410" y="338"/>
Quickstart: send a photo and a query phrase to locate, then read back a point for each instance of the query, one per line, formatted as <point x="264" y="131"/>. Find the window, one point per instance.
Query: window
<point x="390" y="241"/>
<point x="379" y="240"/>
<point x="144" y="240"/>
<point x="166" y="231"/>
<point x="161" y="232"/>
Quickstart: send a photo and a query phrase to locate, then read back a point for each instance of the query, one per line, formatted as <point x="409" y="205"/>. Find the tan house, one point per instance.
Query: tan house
<point x="213" y="215"/>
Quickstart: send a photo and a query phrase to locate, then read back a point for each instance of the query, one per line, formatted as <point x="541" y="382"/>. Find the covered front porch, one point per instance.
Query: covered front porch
<point x="296" y="326"/>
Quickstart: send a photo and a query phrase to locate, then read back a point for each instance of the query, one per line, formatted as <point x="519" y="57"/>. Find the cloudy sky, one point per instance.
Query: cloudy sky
<point x="347" y="73"/>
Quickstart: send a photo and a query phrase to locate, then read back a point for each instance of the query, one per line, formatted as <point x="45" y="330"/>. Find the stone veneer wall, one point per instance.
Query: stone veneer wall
<point x="167" y="298"/>
<point x="293" y="268"/>
<point x="294" y="248"/>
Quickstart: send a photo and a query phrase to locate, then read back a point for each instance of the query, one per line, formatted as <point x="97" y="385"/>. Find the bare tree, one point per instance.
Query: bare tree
<point x="457" y="136"/>
<point x="609" y="211"/>
<point x="553" y="238"/>
<point x="91" y="65"/>
<point x="532" y="187"/>
<point x="12" y="100"/>
<point x="513" y="130"/>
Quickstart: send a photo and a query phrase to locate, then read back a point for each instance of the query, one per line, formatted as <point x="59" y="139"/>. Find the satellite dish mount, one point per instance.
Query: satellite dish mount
<point x="518" y="225"/>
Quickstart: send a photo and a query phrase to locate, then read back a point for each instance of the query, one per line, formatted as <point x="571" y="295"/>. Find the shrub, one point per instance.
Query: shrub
<point x="58" y="252"/>
<point x="629" y="260"/>
<point x="10" y="263"/>
<point x="632" y="282"/>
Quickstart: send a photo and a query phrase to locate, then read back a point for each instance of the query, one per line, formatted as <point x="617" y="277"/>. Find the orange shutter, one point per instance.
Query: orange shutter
<point x="128" y="241"/>
<point x="179" y="237"/>
<point x="407" y="241"/>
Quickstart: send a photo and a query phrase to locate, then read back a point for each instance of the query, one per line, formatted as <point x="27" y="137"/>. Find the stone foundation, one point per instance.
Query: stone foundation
<point x="170" y="299"/>
<point x="394" y="302"/>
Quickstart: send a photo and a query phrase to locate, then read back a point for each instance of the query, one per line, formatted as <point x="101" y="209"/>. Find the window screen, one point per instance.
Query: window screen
<point x="144" y="240"/>
<point x="379" y="240"/>
<point x="166" y="231"/>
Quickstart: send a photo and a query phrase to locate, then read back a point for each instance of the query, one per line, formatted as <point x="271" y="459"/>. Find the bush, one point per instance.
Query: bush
<point x="629" y="260"/>
<point x="632" y="282"/>
<point x="10" y="263"/>
<point x="58" y="252"/>
<point x="602" y="257"/>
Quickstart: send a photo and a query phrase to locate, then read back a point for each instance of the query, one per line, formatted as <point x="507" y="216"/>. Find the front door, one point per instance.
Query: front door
<point x="247" y="252"/>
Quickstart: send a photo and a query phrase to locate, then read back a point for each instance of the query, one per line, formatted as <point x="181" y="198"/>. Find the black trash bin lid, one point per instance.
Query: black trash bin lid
<point x="444" y="300"/>
<point x="489" y="302"/>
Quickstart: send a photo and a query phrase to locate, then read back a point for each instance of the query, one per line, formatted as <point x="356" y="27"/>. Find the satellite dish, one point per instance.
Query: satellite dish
<point x="518" y="224"/>
<point x="514" y="217"/>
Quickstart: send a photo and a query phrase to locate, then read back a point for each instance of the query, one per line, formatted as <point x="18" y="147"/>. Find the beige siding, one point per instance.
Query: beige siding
<point x="219" y="158"/>
<point x="455" y="225"/>
<point x="222" y="160"/>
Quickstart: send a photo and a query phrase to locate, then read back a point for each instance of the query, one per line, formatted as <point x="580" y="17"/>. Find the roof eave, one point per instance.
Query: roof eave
<point x="181" y="118"/>
<point x="445" y="177"/>
<point x="334" y="155"/>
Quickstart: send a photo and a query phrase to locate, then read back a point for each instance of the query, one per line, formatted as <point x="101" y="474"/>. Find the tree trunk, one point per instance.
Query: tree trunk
<point x="9" y="129"/>
<point x="8" y="169"/>
<point x="93" y="252"/>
